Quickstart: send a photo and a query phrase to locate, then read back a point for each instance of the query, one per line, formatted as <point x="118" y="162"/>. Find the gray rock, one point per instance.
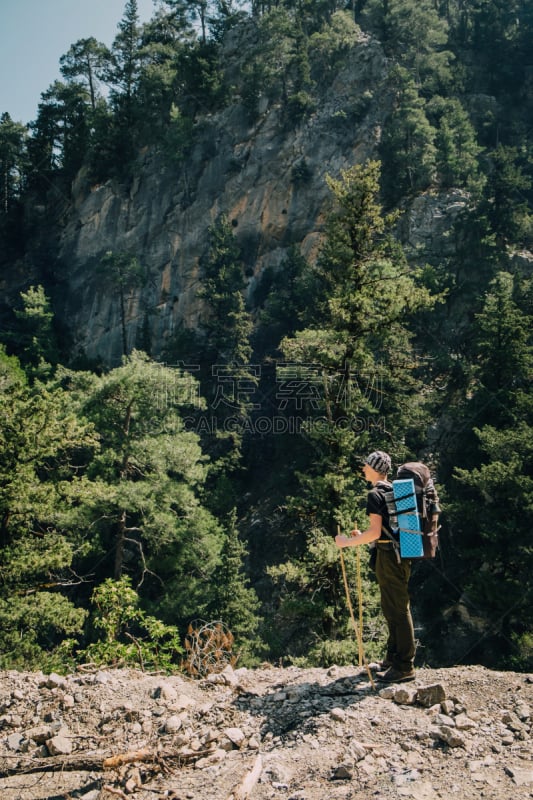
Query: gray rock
<point x="342" y="772"/>
<point x="230" y="676"/>
<point x="247" y="176"/>
<point x="464" y="723"/>
<point x="183" y="701"/>
<point x="447" y="707"/>
<point x="14" y="741"/>
<point x="166" y="692"/>
<point x="405" y="695"/>
<point x="444" y="719"/>
<point x="451" y="736"/>
<point x="68" y="701"/>
<point x="338" y="714"/>
<point x="431" y="695"/>
<point x="39" y="734"/>
<point x="523" y="712"/>
<point x="522" y="776"/>
<point x="375" y="741"/>
<point x="55" y="681"/>
<point x="357" y="750"/>
<point x="173" y="724"/>
<point x="59" y="745"/>
<point x="235" y="735"/>
<point x="214" y="758"/>
<point x="511" y="721"/>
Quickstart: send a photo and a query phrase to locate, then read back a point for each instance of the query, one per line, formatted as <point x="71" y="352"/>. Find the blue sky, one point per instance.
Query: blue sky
<point x="34" y="34"/>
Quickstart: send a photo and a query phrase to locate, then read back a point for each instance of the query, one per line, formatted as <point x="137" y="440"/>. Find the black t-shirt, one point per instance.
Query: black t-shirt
<point x="375" y="503"/>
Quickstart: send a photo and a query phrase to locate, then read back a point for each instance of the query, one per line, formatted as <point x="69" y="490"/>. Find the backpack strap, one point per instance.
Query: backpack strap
<point x="386" y="486"/>
<point x="390" y="539"/>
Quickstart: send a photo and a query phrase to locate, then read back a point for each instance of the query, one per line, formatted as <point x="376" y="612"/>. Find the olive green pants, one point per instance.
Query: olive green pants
<point x="393" y="580"/>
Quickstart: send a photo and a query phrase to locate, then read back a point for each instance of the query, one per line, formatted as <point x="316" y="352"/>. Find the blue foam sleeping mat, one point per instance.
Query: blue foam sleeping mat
<point x="408" y="519"/>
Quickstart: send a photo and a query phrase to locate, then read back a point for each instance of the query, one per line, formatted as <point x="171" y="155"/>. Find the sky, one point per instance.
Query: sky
<point x="34" y="34"/>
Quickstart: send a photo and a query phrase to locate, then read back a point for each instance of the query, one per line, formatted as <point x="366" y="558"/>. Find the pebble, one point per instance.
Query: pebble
<point x="59" y="745"/>
<point x="173" y="724"/>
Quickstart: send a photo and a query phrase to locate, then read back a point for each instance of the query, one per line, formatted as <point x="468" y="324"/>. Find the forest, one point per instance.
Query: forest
<point x="143" y="503"/>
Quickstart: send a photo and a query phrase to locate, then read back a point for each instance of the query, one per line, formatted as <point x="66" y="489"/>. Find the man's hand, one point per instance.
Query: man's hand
<point x="347" y="541"/>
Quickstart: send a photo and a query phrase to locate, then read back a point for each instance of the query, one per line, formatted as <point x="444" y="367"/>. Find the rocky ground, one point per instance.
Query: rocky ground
<point x="266" y="734"/>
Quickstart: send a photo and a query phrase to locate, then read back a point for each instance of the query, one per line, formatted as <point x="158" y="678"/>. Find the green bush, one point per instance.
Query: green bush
<point x="129" y="636"/>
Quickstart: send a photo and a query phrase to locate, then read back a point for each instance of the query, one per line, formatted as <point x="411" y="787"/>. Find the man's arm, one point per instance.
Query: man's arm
<point x="358" y="537"/>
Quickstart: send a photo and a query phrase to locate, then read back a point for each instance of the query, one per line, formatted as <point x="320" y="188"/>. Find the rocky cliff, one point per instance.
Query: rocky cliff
<point x="266" y="177"/>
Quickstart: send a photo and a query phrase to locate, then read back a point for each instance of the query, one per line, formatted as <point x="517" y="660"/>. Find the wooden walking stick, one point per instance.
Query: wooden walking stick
<point x="359" y="603"/>
<point x="358" y="629"/>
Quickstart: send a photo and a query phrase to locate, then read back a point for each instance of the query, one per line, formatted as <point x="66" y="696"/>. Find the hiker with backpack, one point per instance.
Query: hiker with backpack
<point x="392" y="570"/>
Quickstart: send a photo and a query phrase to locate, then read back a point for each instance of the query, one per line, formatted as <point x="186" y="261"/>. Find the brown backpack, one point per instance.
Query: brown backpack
<point x="427" y="504"/>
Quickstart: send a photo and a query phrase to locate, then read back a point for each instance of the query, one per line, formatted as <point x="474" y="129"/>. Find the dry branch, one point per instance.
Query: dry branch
<point x="81" y="762"/>
<point x="113" y="762"/>
<point x="112" y="790"/>
<point x="87" y="762"/>
<point x="243" y="789"/>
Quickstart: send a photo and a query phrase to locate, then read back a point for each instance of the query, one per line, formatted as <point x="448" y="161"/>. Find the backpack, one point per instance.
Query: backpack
<point x="412" y="503"/>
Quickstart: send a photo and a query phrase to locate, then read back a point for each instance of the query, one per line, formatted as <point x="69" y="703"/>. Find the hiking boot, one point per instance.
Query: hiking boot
<point x="393" y="675"/>
<point x="381" y="666"/>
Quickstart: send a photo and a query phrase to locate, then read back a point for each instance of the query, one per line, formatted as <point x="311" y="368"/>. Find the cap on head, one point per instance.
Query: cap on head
<point x="379" y="461"/>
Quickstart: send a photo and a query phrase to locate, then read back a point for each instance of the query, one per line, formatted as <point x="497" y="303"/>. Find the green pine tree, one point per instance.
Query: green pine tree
<point x="407" y="146"/>
<point x="457" y="156"/>
<point x="359" y="349"/>
<point x="137" y="503"/>
<point x="228" y="379"/>
<point x="121" y="273"/>
<point x="37" y="342"/>
<point x="235" y="603"/>
<point x="490" y="508"/>
<point x="41" y="443"/>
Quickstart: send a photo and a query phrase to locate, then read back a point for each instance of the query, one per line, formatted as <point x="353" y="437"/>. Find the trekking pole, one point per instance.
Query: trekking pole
<point x="359" y="602"/>
<point x="358" y="630"/>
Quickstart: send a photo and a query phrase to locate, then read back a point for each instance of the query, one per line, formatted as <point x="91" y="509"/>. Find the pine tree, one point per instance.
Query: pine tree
<point x="235" y="602"/>
<point x="414" y="33"/>
<point x="229" y="380"/>
<point x="228" y="325"/>
<point x="407" y="147"/>
<point x="457" y="151"/>
<point x="359" y="349"/>
<point x="286" y="297"/>
<point x="36" y="343"/>
<point x="60" y="134"/>
<point x="492" y="490"/>
<point x="505" y="202"/>
<point x="122" y="74"/>
<point x="126" y="58"/>
<point x="13" y="163"/>
<point x="41" y="440"/>
<point x="85" y="61"/>
<point x="122" y="273"/>
<point x="137" y="502"/>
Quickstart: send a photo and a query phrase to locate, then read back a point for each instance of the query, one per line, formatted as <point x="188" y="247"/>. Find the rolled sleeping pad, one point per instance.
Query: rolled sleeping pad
<point x="411" y="545"/>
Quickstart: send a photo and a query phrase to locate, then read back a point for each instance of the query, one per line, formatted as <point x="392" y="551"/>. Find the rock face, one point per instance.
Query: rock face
<point x="267" y="178"/>
<point x="296" y="734"/>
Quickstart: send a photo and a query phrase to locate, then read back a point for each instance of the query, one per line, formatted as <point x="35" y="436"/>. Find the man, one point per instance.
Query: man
<point x="392" y="573"/>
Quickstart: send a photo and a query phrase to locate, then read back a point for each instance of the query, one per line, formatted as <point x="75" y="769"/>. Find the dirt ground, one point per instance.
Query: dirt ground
<point x="268" y="733"/>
